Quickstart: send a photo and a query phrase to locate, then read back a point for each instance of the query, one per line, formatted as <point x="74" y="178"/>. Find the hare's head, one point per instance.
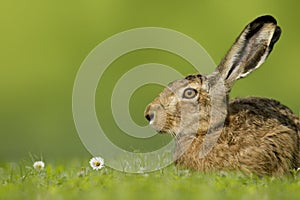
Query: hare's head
<point x="192" y="104"/>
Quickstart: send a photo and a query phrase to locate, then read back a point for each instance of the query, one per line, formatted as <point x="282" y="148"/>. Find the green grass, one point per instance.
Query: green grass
<point x="76" y="180"/>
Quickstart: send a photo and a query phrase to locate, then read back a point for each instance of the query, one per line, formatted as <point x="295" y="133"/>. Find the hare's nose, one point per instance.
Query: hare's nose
<point x="149" y="116"/>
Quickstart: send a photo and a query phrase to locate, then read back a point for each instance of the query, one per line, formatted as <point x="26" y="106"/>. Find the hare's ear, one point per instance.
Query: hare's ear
<point x="250" y="49"/>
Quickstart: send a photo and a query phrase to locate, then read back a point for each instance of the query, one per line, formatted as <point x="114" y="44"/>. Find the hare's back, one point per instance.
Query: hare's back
<point x="262" y="114"/>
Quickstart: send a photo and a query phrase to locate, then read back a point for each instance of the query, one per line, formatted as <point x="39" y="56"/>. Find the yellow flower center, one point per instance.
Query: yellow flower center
<point x="97" y="163"/>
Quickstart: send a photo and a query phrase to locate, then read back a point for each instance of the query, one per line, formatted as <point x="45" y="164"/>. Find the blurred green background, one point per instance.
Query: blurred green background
<point x="43" y="44"/>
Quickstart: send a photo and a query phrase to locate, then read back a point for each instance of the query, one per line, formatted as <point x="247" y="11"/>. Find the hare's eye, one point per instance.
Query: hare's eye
<point x="189" y="93"/>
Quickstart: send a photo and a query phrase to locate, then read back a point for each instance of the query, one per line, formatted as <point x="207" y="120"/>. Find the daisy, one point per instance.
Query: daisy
<point x="38" y="165"/>
<point x="97" y="163"/>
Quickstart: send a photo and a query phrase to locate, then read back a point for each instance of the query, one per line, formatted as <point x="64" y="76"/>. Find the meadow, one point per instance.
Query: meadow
<point x="75" y="179"/>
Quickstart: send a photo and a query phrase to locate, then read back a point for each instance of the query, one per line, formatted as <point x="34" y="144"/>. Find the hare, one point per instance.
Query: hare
<point x="212" y="133"/>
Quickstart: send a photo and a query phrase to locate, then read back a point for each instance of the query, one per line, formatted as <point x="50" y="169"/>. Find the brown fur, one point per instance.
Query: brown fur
<point x="260" y="136"/>
<point x="254" y="135"/>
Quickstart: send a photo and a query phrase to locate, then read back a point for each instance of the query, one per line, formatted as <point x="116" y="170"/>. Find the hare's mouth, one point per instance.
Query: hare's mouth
<point x="159" y="131"/>
<point x="163" y="132"/>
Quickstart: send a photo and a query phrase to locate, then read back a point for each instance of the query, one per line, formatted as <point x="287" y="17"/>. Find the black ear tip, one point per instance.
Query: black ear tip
<point x="258" y="23"/>
<point x="275" y="37"/>
<point x="265" y="19"/>
<point x="276" y="34"/>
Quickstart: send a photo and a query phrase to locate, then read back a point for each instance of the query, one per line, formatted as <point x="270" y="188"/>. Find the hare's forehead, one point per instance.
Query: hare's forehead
<point x="177" y="87"/>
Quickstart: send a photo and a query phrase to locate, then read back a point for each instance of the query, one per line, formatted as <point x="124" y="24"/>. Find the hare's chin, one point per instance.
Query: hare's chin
<point x="159" y="131"/>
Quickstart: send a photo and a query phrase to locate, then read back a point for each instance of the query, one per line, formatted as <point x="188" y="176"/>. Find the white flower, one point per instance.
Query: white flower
<point x="97" y="163"/>
<point x="38" y="165"/>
